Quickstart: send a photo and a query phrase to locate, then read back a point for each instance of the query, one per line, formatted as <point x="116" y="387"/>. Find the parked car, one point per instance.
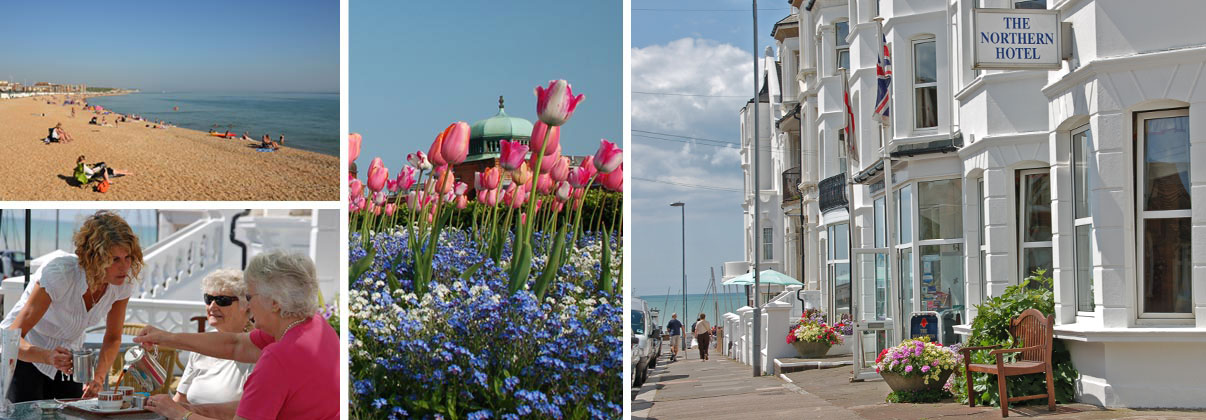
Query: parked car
<point x="643" y="353"/>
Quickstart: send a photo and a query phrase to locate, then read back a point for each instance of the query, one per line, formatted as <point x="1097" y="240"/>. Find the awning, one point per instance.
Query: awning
<point x="764" y="277"/>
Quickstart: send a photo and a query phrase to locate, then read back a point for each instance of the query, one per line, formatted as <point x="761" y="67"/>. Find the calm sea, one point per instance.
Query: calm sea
<point x="45" y="238"/>
<point x="728" y="302"/>
<point x="309" y="121"/>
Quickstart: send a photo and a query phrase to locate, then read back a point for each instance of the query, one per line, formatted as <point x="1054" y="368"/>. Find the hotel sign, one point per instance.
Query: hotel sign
<point x="1016" y="39"/>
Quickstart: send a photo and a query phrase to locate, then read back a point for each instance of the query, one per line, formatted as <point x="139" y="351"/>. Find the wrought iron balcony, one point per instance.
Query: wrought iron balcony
<point x="791" y="185"/>
<point x="833" y="192"/>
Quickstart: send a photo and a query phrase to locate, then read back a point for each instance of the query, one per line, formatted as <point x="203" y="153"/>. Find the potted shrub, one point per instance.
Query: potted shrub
<point x="917" y="365"/>
<point x="812" y="337"/>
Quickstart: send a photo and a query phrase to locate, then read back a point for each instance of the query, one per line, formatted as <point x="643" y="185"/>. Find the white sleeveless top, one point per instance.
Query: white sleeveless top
<point x="65" y="320"/>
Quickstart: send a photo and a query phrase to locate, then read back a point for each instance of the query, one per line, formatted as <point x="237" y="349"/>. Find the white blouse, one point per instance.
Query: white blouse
<point x="208" y="380"/>
<point x="65" y="320"/>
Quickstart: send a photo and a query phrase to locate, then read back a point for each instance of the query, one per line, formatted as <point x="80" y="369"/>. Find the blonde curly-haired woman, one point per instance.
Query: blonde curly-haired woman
<point x="67" y="295"/>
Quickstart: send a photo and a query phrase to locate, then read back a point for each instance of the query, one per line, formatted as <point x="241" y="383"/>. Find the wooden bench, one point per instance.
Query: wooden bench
<point x="1032" y="330"/>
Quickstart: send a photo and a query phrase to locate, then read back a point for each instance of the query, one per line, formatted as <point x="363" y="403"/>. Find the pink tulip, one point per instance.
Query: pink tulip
<point x="615" y="180"/>
<point x="456" y="143"/>
<point x="435" y="154"/>
<point x="392" y="185"/>
<point x="563" y="190"/>
<point x="486" y="180"/>
<point x="544" y="183"/>
<point x="419" y="161"/>
<point x="488" y="197"/>
<point x="556" y="103"/>
<point x="459" y="188"/>
<point x="522" y="175"/>
<point x="462" y="202"/>
<point x="355" y="188"/>
<point x="538" y="203"/>
<point x="546" y="162"/>
<point x="376" y="210"/>
<point x="557" y="206"/>
<point x="380" y="197"/>
<point x="580" y="176"/>
<point x="406" y="178"/>
<point x="449" y="197"/>
<point x="353" y="147"/>
<point x="352" y="207"/>
<point x="515" y="196"/>
<point x="589" y="164"/>
<point x="539" y="131"/>
<point x="377" y="174"/>
<point x="560" y="169"/>
<point x="360" y="203"/>
<point x="608" y="157"/>
<point x="513" y="154"/>
<point x="389" y="209"/>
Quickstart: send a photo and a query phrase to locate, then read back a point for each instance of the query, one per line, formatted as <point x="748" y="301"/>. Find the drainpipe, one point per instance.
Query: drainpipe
<point x="28" y="250"/>
<point x="242" y="245"/>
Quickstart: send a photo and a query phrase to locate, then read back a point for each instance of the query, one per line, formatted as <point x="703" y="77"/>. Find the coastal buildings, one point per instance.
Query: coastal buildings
<point x="1086" y="169"/>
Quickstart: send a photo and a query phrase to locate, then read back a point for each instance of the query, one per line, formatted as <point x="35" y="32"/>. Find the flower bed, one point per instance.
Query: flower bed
<point x="917" y="368"/>
<point x="471" y="349"/>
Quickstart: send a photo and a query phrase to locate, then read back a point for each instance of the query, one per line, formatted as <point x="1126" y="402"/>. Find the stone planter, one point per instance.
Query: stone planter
<point x="811" y="350"/>
<point x="913" y="382"/>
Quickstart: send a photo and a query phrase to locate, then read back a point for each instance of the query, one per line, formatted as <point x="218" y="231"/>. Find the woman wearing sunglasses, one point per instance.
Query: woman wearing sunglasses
<point x="295" y="350"/>
<point x="209" y="380"/>
<point x="67" y="295"/>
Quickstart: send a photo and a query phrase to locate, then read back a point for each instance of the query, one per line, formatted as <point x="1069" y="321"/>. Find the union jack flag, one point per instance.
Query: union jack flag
<point x="883" y="75"/>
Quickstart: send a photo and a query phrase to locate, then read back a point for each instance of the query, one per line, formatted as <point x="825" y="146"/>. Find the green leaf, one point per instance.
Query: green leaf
<point x="551" y="267"/>
<point x="471" y="270"/>
<point x="358" y="268"/>
<point x="605" y="264"/>
<point x="521" y="265"/>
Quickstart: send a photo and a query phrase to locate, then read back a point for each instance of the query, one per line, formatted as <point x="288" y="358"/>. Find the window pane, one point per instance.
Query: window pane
<point x="926" y="107"/>
<point x="881" y="227"/>
<point x="1166" y="167"/>
<point x="1084" y="270"/>
<point x="768" y="243"/>
<point x="942" y="278"/>
<point x="1037" y="208"/>
<point x="843" y="59"/>
<point x="841" y="242"/>
<point x="1080" y="173"/>
<point x="983" y="276"/>
<point x="638" y="322"/>
<point x="1167" y="270"/>
<point x="841" y="289"/>
<point x="906" y="282"/>
<point x="1034" y="259"/>
<point x="925" y="65"/>
<point x="904" y="214"/>
<point x="843" y="31"/>
<point x="1029" y="4"/>
<point x="829" y="235"/>
<point x="881" y="286"/>
<point x="939" y="209"/>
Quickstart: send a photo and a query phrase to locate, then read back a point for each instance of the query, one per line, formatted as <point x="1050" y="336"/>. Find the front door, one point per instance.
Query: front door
<point x="873" y="323"/>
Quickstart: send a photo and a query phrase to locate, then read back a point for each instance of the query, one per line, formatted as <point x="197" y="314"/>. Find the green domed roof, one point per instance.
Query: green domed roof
<point x="485" y="134"/>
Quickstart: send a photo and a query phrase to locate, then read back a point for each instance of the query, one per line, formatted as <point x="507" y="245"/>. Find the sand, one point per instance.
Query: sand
<point x="167" y="164"/>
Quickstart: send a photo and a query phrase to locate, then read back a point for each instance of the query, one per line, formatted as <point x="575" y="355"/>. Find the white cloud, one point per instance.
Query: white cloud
<point x="689" y="66"/>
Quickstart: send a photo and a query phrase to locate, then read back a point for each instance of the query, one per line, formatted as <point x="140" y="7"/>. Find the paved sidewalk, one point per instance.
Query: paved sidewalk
<point x="723" y="389"/>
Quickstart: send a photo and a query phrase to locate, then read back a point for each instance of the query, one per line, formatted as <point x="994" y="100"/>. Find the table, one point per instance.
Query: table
<point x="31" y="411"/>
<point x="93" y="341"/>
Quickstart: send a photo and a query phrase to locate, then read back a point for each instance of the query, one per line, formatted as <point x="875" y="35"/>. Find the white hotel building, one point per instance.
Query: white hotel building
<point x="1095" y="171"/>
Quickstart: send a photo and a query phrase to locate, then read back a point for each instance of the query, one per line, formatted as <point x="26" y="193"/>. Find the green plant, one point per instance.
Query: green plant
<point x="991" y="327"/>
<point x="924" y="396"/>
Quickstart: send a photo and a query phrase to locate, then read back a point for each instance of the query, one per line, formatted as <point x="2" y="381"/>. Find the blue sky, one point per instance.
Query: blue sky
<point x="696" y="48"/>
<point x="414" y="68"/>
<point x="218" y="45"/>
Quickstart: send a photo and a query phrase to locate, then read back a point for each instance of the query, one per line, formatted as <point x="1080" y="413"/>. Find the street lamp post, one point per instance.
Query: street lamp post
<point x="683" y="206"/>
<point x="757" y="197"/>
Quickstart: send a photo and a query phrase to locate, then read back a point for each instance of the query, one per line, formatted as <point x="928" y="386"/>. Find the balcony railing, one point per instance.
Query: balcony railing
<point x="833" y="192"/>
<point x="791" y="185"/>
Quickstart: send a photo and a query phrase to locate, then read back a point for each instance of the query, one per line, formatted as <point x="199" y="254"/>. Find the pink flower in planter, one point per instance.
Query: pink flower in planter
<point x="908" y="368"/>
<point x="924" y="369"/>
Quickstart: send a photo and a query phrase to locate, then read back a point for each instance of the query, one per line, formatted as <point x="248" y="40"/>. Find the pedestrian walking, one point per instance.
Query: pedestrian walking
<point x="703" y="334"/>
<point x="675" y="328"/>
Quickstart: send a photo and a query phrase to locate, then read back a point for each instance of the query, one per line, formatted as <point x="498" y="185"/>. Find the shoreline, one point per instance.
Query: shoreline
<point x="168" y="164"/>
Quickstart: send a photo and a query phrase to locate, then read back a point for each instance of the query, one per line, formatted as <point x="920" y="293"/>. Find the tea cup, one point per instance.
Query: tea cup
<point x="109" y="400"/>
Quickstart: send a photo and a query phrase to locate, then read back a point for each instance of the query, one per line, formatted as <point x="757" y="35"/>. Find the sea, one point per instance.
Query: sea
<point x="45" y="238"/>
<point x="669" y="304"/>
<point x="309" y="121"/>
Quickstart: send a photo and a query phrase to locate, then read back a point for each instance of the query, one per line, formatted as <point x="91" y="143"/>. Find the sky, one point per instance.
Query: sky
<point x="695" y="48"/>
<point x="213" y="45"/>
<point x="415" y="68"/>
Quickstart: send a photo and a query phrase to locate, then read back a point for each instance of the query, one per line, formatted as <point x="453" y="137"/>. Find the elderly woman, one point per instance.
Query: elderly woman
<point x="208" y="380"/>
<point x="295" y="350"/>
<point x="68" y="294"/>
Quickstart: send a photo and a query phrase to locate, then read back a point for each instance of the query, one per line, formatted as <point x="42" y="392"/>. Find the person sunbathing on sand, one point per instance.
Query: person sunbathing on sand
<point x="247" y="137"/>
<point x="57" y="134"/>
<point x="85" y="173"/>
<point x="267" y="143"/>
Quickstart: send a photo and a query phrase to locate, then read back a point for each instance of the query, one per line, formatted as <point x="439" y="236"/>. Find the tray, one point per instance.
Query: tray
<point x="90" y="406"/>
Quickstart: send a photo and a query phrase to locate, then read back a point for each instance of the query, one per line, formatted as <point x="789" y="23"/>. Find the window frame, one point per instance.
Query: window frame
<point x="840" y="45"/>
<point x="768" y="243"/>
<point x="982" y="202"/>
<point x="916" y="87"/>
<point x="1023" y="245"/>
<point x="831" y="266"/>
<point x="1142" y="216"/>
<point x="1087" y="220"/>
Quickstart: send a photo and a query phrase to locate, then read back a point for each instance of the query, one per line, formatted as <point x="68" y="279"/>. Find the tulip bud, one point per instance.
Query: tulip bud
<point x="608" y="157"/>
<point x="512" y="154"/>
<point x="456" y="143"/>
<point x="539" y="131"/>
<point x="556" y="103"/>
<point x="377" y="174"/>
<point x="353" y="147"/>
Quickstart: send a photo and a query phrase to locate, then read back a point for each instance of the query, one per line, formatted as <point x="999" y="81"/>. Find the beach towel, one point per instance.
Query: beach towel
<point x="265" y="149"/>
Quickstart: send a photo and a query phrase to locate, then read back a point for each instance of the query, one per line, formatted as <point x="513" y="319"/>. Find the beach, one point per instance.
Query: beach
<point x="167" y="164"/>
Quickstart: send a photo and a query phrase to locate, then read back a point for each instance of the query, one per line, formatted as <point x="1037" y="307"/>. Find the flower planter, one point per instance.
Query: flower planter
<point x="913" y="382"/>
<point x="811" y="349"/>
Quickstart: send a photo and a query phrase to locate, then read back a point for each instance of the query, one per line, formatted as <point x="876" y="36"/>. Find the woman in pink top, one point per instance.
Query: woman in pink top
<point x="295" y="350"/>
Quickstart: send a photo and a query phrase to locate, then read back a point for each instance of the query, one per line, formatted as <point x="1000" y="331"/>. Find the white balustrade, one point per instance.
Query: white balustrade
<point x="183" y="258"/>
<point x="168" y="315"/>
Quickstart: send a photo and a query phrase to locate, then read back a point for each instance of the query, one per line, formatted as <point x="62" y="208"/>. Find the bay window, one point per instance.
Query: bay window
<point x="1082" y="221"/>
<point x="1164" y="211"/>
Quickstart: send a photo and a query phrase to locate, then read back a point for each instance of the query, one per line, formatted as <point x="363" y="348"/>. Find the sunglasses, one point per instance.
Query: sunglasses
<point x="222" y="300"/>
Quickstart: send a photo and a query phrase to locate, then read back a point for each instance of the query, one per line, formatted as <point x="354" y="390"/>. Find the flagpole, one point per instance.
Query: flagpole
<point x="889" y="201"/>
<point x="851" y="137"/>
<point x="757" y="197"/>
